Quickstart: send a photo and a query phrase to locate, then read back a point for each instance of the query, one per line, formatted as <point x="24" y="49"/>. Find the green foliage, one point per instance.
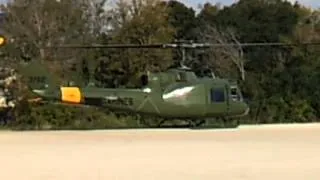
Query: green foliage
<point x="142" y="22"/>
<point x="52" y="117"/>
<point x="182" y="18"/>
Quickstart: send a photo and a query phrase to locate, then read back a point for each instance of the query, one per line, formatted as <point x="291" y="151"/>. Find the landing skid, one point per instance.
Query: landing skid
<point x="201" y="124"/>
<point x="196" y="123"/>
<point x="189" y="123"/>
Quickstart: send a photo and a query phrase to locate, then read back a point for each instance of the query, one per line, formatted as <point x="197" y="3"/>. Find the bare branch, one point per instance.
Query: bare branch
<point x="221" y="55"/>
<point x="35" y="24"/>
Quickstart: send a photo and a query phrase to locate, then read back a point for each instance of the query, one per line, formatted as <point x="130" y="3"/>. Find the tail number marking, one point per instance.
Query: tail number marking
<point x="37" y="79"/>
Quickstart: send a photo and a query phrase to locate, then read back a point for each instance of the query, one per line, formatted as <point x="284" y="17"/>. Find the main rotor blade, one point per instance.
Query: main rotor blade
<point x="108" y="46"/>
<point x="173" y="45"/>
<point x="258" y="44"/>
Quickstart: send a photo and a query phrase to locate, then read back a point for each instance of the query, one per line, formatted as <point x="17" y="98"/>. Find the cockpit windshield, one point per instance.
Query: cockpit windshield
<point x="235" y="93"/>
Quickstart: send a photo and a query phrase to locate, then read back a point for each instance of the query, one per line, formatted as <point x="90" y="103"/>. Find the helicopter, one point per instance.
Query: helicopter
<point x="175" y="94"/>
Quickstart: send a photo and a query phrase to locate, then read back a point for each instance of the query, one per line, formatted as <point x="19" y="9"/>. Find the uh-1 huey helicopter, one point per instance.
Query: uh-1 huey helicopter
<point x="177" y="93"/>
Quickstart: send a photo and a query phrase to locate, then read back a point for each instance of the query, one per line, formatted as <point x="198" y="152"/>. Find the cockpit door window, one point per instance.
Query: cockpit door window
<point x="235" y="93"/>
<point x="217" y="95"/>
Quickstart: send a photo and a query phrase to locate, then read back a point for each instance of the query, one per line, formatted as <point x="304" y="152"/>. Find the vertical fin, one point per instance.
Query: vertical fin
<point x="37" y="76"/>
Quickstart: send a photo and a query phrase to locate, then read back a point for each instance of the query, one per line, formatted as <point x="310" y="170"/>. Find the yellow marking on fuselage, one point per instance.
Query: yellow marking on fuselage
<point x="70" y="94"/>
<point x="2" y="40"/>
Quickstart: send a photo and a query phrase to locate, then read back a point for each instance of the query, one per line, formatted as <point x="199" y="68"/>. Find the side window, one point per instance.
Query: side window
<point x="144" y="80"/>
<point x="217" y="95"/>
<point x="234" y="92"/>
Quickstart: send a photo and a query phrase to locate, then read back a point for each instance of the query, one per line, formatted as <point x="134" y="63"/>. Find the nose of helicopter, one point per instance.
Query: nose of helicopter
<point x="243" y="109"/>
<point x="246" y="110"/>
<point x="246" y="106"/>
<point x="239" y="109"/>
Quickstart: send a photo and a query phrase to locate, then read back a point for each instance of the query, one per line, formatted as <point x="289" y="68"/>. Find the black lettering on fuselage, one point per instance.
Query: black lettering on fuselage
<point x="120" y="101"/>
<point x="37" y="79"/>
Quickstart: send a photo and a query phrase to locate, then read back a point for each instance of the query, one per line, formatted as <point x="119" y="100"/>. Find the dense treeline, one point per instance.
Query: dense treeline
<point x="281" y="83"/>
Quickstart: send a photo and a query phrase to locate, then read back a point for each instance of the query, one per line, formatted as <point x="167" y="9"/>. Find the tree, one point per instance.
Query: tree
<point x="139" y="22"/>
<point x="224" y="58"/>
<point x="183" y="19"/>
<point x="35" y="24"/>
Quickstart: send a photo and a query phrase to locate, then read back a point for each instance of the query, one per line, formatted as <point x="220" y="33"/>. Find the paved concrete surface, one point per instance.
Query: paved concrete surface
<point x="247" y="153"/>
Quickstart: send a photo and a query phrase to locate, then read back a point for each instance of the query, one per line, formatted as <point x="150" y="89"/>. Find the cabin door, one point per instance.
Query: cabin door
<point x="219" y="100"/>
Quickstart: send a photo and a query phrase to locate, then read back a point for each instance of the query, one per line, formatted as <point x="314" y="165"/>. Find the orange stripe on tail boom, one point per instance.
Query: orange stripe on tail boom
<point x="71" y="94"/>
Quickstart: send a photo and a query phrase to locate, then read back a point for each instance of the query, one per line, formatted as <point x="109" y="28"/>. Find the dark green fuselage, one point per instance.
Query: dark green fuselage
<point x="198" y="103"/>
<point x="165" y="95"/>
